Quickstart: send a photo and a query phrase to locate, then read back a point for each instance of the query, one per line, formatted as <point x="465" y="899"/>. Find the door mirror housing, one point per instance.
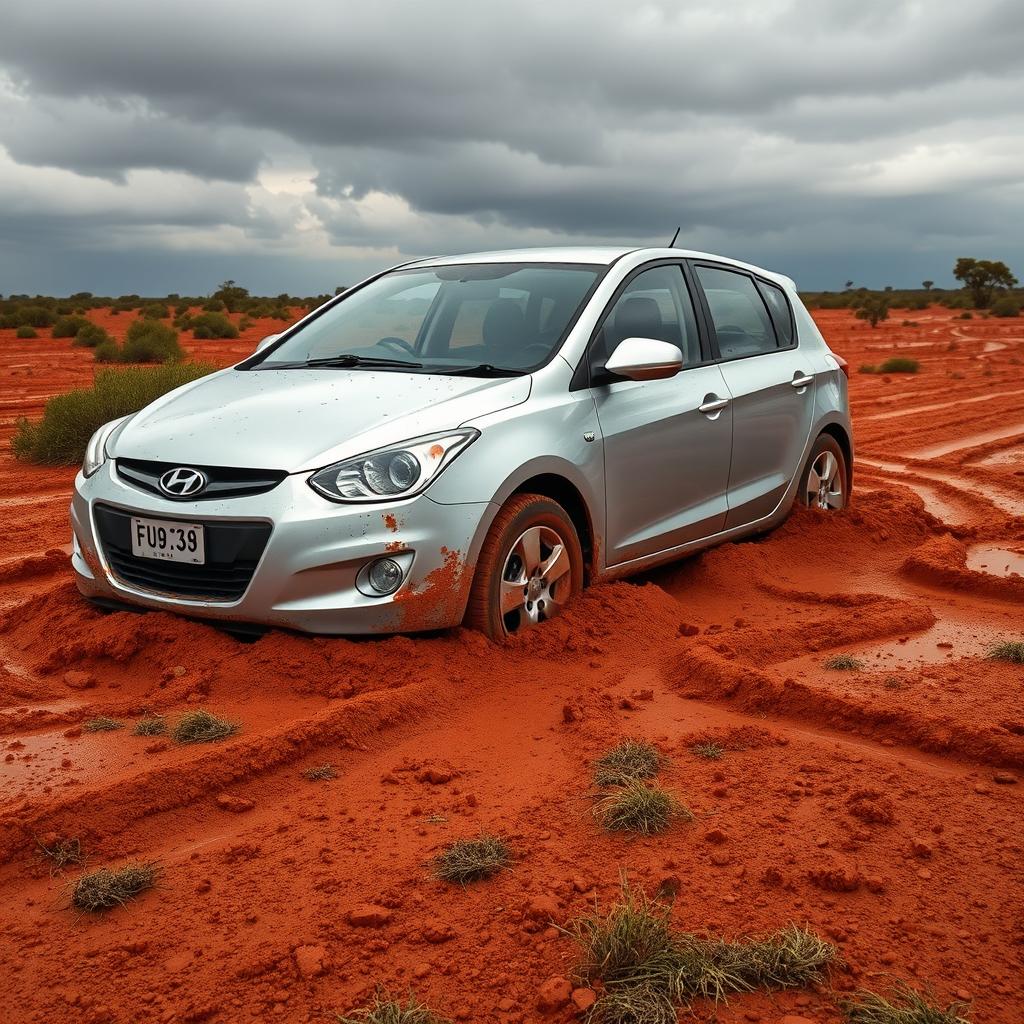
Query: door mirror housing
<point x="645" y="359"/>
<point x="268" y="340"/>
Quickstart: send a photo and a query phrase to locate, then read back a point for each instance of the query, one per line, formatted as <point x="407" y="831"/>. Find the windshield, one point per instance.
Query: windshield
<point x="488" y="318"/>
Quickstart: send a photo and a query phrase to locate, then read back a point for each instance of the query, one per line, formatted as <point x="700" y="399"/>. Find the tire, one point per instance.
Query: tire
<point x="504" y="572"/>
<point x="825" y="482"/>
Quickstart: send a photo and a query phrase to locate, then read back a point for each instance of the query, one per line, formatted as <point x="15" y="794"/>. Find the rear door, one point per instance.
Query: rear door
<point x="770" y="382"/>
<point x="666" y="442"/>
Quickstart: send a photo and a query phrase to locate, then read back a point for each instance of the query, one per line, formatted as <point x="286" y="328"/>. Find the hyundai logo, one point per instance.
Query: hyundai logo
<point x="182" y="482"/>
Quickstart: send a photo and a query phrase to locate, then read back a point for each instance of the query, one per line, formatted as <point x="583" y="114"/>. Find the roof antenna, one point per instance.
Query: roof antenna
<point x="671" y="244"/>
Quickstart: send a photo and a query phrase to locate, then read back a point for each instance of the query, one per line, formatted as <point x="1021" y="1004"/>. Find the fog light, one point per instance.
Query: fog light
<point x="385" y="575"/>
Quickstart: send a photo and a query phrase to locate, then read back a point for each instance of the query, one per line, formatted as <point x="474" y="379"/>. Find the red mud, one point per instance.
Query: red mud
<point x="872" y="804"/>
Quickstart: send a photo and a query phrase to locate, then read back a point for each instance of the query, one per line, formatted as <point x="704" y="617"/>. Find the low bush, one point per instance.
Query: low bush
<point x="212" y="325"/>
<point x="24" y="331"/>
<point x="152" y="725"/>
<point x="320" y="773"/>
<point x="384" y="1010"/>
<point x="1008" y="650"/>
<point x="640" y="807"/>
<point x="36" y="316"/>
<point x="106" y="888"/>
<point x="202" y="727"/>
<point x="708" y="751"/>
<point x="899" y="364"/>
<point x="107" y="352"/>
<point x="1007" y="306"/>
<point x="213" y="306"/>
<point x="471" y="860"/>
<point x="60" y="437"/>
<point x="844" y="663"/>
<point x="102" y="724"/>
<point x="90" y="336"/>
<point x="150" y="341"/>
<point x="60" y="853"/>
<point x="904" y="1005"/>
<point x="631" y="759"/>
<point x="69" y="326"/>
<point x="155" y="311"/>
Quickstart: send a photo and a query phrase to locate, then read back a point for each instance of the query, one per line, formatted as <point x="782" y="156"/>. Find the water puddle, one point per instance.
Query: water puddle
<point x="996" y="560"/>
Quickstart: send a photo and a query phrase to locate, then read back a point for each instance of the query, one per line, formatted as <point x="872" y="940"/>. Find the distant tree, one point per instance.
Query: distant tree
<point x="874" y="309"/>
<point x="982" y="278"/>
<point x="232" y="295"/>
<point x="888" y="287"/>
<point x="848" y="286"/>
<point x="927" y="285"/>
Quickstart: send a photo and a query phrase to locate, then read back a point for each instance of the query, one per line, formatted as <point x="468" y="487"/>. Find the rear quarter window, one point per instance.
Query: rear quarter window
<point x="782" y="316"/>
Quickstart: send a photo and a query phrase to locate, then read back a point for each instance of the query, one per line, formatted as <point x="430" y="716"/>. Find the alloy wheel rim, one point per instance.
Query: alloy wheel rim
<point x="536" y="579"/>
<point x="825" y="484"/>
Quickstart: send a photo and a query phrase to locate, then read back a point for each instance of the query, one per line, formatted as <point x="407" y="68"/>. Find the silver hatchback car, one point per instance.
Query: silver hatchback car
<point x="471" y="439"/>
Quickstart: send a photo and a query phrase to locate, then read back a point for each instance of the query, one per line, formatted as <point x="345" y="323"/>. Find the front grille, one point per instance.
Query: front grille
<point x="233" y="551"/>
<point x="224" y="482"/>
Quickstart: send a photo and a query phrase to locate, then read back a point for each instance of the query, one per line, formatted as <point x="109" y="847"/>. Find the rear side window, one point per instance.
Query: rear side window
<point x="778" y="307"/>
<point x="738" y="313"/>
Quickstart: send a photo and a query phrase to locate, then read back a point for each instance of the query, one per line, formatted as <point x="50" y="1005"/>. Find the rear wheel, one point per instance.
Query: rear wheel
<point x="530" y="567"/>
<point x="825" y="480"/>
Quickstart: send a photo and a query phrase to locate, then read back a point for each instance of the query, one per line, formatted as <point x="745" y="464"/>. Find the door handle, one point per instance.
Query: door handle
<point x="801" y="380"/>
<point x="712" y="404"/>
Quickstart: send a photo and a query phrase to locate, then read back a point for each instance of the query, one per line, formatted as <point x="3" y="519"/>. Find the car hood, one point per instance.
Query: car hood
<point x="304" y="419"/>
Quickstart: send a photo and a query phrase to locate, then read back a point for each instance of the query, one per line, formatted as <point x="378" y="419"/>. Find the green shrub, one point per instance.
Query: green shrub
<point x="90" y="336"/>
<point x="107" y="352"/>
<point x="36" y="316"/>
<point x="149" y="341"/>
<point x="213" y="306"/>
<point x="24" y="331"/>
<point x="1007" y="306"/>
<point x="69" y="326"/>
<point x="213" y="325"/>
<point x="60" y="437"/>
<point x="9" y="321"/>
<point x="899" y="364"/>
<point x="155" y="311"/>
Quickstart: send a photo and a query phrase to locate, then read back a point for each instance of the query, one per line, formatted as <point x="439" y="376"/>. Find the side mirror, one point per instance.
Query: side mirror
<point x="268" y="340"/>
<point x="645" y="359"/>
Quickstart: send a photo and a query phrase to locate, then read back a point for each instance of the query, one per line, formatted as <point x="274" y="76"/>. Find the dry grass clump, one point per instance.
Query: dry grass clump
<point x="320" y="773"/>
<point x="903" y="1006"/>
<point x="709" y="751"/>
<point x="151" y="725"/>
<point x="384" y="1010"/>
<point x="471" y="860"/>
<point x="102" y="724"/>
<point x="60" y="853"/>
<point x="202" y="727"/>
<point x="1008" y="650"/>
<point x="108" y="888"/>
<point x="647" y="970"/>
<point x="844" y="663"/>
<point x="630" y="760"/>
<point x="639" y="806"/>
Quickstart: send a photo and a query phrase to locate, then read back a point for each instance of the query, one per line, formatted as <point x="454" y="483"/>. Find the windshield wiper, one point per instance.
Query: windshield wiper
<point x="346" y="360"/>
<point x="484" y="370"/>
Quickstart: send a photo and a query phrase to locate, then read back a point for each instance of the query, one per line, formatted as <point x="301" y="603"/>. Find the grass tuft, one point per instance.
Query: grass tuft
<point x="630" y="760"/>
<point x="108" y="888"/>
<point x="320" y="773"/>
<point x="202" y="727"/>
<point x="471" y="860"/>
<point x="903" y="1006"/>
<point x="646" y="969"/>
<point x="844" y="663"/>
<point x="60" y="853"/>
<point x="384" y="1010"/>
<point x="708" y="751"/>
<point x="102" y="724"/>
<point x="152" y="725"/>
<point x="1008" y="650"/>
<point x="640" y="807"/>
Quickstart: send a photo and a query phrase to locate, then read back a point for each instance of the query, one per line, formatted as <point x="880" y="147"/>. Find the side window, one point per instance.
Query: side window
<point x="778" y="307"/>
<point x="738" y="312"/>
<point x="655" y="304"/>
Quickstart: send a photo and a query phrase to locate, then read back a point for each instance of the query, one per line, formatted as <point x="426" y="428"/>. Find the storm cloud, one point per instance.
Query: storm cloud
<point x="298" y="146"/>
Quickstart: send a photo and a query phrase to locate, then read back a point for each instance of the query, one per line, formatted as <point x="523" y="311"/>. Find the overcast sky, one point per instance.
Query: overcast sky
<point x="299" y="145"/>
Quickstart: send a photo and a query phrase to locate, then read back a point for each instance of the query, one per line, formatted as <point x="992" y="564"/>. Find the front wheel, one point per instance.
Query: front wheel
<point x="530" y="567"/>
<point x="825" y="483"/>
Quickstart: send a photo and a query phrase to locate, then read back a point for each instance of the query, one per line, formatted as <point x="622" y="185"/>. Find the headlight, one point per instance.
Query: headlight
<point x="96" y="449"/>
<point x="397" y="472"/>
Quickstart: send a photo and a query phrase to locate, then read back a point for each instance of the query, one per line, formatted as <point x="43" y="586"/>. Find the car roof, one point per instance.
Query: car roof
<point x="595" y="254"/>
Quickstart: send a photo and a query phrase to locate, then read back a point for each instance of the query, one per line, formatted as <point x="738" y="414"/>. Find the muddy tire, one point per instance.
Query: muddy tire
<point x="824" y="483"/>
<point x="530" y="567"/>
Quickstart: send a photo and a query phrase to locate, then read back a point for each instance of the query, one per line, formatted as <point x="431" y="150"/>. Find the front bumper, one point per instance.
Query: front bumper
<point x="306" y="576"/>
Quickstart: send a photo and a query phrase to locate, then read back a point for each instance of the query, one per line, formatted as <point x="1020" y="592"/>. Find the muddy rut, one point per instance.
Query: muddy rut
<point x="878" y="804"/>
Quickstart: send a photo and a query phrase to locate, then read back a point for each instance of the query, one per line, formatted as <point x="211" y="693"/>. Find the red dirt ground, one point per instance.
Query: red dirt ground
<point x="878" y="806"/>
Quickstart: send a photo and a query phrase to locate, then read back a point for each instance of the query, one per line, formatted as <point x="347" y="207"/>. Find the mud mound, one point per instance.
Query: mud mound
<point x="942" y="561"/>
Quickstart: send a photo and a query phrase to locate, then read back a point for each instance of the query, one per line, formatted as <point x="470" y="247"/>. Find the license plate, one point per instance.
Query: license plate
<point x="168" y="540"/>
